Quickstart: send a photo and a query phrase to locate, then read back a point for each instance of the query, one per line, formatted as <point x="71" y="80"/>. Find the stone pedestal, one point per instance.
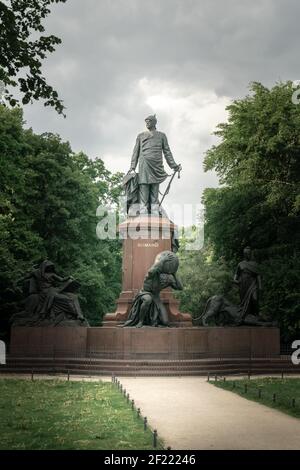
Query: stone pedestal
<point x="185" y="343"/>
<point x="143" y="238"/>
<point x="48" y="341"/>
<point x="145" y="343"/>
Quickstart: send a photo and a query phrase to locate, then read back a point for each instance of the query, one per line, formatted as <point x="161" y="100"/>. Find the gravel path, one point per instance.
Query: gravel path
<point x="190" y="413"/>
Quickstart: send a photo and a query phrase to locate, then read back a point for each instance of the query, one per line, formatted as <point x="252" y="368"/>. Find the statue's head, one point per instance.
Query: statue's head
<point x="169" y="262"/>
<point x="47" y="266"/>
<point x="151" y="122"/>
<point x="247" y="252"/>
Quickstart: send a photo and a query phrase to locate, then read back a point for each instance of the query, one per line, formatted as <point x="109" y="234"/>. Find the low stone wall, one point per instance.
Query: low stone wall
<point x="148" y="342"/>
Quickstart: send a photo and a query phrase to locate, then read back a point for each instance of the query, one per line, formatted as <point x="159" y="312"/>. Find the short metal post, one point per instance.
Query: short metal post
<point x="145" y="423"/>
<point x="132" y="405"/>
<point x="124" y="392"/>
<point x="68" y="375"/>
<point x="90" y="364"/>
<point x="216" y="378"/>
<point x="154" y="438"/>
<point x="208" y="377"/>
<point x="121" y="388"/>
<point x="138" y="413"/>
<point x="32" y="379"/>
<point x="249" y="375"/>
<point x="128" y="396"/>
<point x="224" y="379"/>
<point x="293" y="402"/>
<point x="274" y="397"/>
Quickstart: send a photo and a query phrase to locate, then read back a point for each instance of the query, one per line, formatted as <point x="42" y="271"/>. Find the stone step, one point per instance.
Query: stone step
<point x="114" y="369"/>
<point x="155" y="362"/>
<point x="147" y="372"/>
<point x="119" y="367"/>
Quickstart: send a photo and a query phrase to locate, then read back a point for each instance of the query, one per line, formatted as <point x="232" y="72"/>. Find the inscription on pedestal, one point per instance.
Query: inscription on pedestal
<point x="148" y="245"/>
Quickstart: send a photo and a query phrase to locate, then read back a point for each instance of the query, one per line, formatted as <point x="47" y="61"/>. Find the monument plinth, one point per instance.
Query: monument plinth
<point x="143" y="239"/>
<point x="146" y="307"/>
<point x="144" y="343"/>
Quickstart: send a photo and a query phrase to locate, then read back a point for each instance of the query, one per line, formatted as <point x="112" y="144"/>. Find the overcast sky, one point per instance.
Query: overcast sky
<point x="184" y="60"/>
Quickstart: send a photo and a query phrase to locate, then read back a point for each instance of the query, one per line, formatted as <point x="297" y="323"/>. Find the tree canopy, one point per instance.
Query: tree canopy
<point x="49" y="196"/>
<point x="23" y="47"/>
<point x="48" y="202"/>
<point x="258" y="203"/>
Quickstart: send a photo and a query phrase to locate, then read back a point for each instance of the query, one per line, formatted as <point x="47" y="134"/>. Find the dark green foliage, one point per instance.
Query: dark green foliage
<point x="202" y="277"/>
<point x="258" y="162"/>
<point x="22" y="49"/>
<point x="48" y="202"/>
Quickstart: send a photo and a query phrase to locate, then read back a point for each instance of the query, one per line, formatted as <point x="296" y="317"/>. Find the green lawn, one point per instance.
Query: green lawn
<point x="56" y="414"/>
<point x="285" y="391"/>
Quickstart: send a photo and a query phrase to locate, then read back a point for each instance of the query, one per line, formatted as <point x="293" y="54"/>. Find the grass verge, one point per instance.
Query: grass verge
<point x="282" y="394"/>
<point x="56" y="414"/>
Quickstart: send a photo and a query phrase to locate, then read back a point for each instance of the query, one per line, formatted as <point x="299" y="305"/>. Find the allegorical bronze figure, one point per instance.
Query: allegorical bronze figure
<point x="248" y="280"/>
<point x="221" y="312"/>
<point x="147" y="307"/>
<point x="224" y="313"/>
<point x="143" y="188"/>
<point x="49" y="299"/>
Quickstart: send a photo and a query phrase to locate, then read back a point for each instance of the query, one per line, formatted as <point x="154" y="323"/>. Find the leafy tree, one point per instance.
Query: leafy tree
<point x="258" y="164"/>
<point x="203" y="276"/>
<point x="48" y="202"/>
<point x="22" y="49"/>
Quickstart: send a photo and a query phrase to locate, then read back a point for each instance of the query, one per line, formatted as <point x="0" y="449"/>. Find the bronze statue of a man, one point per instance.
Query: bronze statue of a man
<point x="147" y="153"/>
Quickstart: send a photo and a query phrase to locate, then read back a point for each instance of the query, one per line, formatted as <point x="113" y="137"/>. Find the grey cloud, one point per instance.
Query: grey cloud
<point x="109" y="45"/>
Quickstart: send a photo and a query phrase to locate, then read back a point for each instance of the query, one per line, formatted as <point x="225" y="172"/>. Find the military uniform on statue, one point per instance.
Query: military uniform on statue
<point x="145" y="211"/>
<point x="148" y="153"/>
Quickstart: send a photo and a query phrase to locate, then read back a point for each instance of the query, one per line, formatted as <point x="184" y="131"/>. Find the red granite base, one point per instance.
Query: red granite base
<point x="45" y="341"/>
<point x="139" y="252"/>
<point x="147" y="342"/>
